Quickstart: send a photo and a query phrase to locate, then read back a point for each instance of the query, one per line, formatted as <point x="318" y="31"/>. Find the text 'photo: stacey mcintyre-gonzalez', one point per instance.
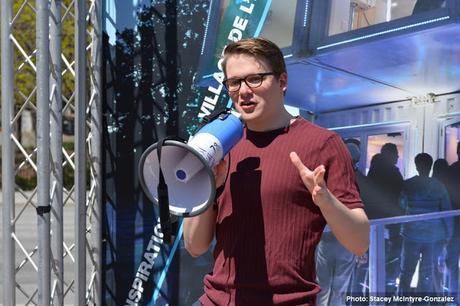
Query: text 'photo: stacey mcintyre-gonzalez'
<point x="365" y="300"/>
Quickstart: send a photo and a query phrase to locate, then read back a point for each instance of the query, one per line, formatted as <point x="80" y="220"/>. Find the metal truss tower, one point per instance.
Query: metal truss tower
<point x="61" y="248"/>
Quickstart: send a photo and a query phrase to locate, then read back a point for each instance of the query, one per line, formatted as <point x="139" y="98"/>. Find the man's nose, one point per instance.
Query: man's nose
<point x="244" y="88"/>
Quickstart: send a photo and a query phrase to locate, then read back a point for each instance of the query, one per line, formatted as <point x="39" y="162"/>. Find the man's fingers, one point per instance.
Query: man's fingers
<point x="319" y="175"/>
<point x="297" y="162"/>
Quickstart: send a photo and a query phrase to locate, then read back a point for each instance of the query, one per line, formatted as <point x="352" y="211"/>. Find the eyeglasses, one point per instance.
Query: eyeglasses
<point x="252" y="80"/>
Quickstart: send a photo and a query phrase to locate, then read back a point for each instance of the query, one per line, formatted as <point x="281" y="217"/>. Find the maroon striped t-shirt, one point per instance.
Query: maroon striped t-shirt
<point x="267" y="224"/>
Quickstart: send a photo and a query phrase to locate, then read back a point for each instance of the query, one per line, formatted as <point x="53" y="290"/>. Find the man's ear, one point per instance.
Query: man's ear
<point x="283" y="81"/>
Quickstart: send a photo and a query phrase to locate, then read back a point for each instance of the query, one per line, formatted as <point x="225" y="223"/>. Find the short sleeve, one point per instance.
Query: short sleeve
<point x="340" y="176"/>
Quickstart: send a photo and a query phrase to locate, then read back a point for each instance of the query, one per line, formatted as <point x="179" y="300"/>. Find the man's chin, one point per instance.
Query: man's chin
<point x="247" y="117"/>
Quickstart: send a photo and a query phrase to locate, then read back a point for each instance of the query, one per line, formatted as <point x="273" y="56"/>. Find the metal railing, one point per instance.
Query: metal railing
<point x="377" y="260"/>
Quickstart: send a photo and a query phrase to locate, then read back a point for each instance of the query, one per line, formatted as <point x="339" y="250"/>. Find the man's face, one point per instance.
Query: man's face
<point x="259" y="105"/>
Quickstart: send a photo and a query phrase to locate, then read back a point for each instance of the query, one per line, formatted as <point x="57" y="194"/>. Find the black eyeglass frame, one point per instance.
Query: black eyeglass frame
<point x="262" y="76"/>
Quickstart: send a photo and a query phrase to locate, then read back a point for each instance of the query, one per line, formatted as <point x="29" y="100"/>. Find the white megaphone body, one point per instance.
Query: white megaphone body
<point x="187" y="168"/>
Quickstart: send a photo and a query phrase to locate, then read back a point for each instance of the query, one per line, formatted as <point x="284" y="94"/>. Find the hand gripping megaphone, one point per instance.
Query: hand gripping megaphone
<point x="186" y="168"/>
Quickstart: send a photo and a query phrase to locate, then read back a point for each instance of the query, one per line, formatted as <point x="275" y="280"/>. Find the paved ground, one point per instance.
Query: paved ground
<point x="26" y="231"/>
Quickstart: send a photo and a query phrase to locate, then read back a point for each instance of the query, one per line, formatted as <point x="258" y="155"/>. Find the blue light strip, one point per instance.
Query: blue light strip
<point x="262" y="18"/>
<point x="368" y="125"/>
<point x="384" y="32"/>
<point x="168" y="263"/>
<point x="206" y="28"/>
<point x="305" y="16"/>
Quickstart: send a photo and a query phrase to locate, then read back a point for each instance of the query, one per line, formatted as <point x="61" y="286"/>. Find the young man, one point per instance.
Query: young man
<point x="422" y="194"/>
<point x="280" y="185"/>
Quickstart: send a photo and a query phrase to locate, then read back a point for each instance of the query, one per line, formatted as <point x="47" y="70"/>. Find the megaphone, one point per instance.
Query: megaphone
<point x="187" y="167"/>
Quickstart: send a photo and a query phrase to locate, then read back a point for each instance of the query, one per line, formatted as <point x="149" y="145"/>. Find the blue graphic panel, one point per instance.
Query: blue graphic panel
<point x="162" y="75"/>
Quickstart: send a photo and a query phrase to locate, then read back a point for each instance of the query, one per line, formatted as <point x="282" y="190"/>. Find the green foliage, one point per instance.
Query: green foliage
<point x="26" y="183"/>
<point x="24" y="59"/>
<point x="24" y="33"/>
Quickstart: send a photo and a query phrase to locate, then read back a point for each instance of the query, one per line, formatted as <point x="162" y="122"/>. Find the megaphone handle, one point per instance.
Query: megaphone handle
<point x="163" y="199"/>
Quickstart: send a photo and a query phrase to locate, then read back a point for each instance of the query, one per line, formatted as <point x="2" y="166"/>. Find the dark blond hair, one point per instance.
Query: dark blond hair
<point x="257" y="47"/>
